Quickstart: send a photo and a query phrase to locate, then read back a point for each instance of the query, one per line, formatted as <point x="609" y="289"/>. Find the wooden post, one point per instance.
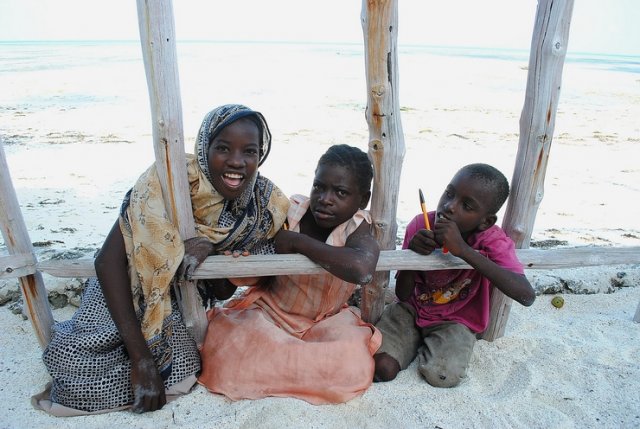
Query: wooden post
<point x="158" y="40"/>
<point x="636" y="318"/>
<point x="18" y="242"/>
<point x="386" y="140"/>
<point x="548" y="51"/>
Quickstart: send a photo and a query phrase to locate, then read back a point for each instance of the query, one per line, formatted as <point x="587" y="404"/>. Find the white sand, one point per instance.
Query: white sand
<point x="577" y="366"/>
<point x="572" y="367"/>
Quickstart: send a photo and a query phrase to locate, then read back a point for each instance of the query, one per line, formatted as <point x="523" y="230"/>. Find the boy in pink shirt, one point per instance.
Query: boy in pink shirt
<point x="440" y="313"/>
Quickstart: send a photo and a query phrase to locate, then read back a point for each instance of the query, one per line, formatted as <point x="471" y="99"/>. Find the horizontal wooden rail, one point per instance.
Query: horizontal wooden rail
<point x="267" y="265"/>
<point x="13" y="266"/>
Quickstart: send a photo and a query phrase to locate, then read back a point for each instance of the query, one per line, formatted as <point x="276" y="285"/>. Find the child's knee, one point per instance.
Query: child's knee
<point x="440" y="374"/>
<point x="387" y="368"/>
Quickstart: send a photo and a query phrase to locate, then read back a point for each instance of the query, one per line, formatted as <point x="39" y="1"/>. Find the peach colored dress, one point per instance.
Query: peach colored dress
<point x="296" y="337"/>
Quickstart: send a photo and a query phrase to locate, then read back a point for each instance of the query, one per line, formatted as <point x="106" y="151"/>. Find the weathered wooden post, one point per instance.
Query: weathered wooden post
<point x="158" y="40"/>
<point x="548" y="51"/>
<point x="386" y="140"/>
<point x="18" y="242"/>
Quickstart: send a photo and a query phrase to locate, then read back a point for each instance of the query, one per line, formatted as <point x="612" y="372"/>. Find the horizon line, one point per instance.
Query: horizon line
<point x="309" y="42"/>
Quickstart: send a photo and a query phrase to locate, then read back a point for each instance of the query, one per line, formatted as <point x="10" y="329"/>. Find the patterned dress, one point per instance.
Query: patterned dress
<point x="86" y="357"/>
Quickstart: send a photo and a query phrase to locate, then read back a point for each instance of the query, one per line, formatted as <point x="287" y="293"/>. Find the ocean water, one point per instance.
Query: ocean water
<point x="69" y="92"/>
<point x="81" y="105"/>
<point x="36" y="76"/>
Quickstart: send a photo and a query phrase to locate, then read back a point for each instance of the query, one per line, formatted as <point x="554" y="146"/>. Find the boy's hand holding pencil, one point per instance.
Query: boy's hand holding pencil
<point x="425" y="213"/>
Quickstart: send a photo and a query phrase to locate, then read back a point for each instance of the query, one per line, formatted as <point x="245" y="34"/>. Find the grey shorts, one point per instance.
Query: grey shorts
<point x="443" y="350"/>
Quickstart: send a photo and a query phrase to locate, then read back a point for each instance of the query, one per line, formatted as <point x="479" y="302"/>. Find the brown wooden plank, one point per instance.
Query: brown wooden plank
<point x="266" y="265"/>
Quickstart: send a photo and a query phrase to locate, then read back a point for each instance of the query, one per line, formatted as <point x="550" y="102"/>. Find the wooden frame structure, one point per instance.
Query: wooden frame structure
<point x="379" y="20"/>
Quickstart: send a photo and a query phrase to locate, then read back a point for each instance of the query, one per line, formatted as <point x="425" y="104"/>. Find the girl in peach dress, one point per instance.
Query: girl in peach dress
<point x="296" y="336"/>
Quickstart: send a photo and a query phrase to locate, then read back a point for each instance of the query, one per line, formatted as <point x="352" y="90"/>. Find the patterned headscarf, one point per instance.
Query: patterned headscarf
<point x="153" y="244"/>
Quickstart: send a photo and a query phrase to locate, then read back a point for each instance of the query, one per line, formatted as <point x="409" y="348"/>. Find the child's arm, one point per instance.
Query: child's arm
<point x="196" y="250"/>
<point x="423" y="242"/>
<point x="514" y="285"/>
<point x="111" y="268"/>
<point x="405" y="284"/>
<point x="355" y="262"/>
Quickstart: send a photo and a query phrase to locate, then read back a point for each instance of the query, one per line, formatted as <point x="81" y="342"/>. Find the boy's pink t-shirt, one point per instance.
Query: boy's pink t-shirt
<point x="461" y="296"/>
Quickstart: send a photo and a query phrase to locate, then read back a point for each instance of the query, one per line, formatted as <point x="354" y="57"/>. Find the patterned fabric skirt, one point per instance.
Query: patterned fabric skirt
<point x="88" y="361"/>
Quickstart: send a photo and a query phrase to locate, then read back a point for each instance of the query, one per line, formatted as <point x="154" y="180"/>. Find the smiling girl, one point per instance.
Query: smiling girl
<point x="127" y="345"/>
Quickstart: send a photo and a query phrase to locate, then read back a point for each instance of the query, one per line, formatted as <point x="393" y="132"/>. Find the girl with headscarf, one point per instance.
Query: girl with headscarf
<point x="127" y="342"/>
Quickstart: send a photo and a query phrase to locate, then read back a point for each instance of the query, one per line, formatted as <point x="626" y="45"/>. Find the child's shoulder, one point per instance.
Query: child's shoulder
<point x="495" y="232"/>
<point x="297" y="209"/>
<point x="493" y="240"/>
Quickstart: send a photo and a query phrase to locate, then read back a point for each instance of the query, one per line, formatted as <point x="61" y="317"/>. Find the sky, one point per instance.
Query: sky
<point x="600" y="26"/>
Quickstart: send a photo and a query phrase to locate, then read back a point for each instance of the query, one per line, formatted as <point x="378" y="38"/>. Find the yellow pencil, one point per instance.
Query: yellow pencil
<point x="424" y="210"/>
<point x="426" y="216"/>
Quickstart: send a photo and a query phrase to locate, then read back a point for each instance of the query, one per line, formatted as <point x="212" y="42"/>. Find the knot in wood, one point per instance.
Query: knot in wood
<point x="378" y="90"/>
<point x="517" y="231"/>
<point x="376" y="145"/>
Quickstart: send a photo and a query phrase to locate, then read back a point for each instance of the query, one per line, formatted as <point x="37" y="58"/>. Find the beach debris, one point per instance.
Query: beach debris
<point x="58" y="300"/>
<point x="546" y="244"/>
<point x="64" y="229"/>
<point x="67" y="254"/>
<point x="46" y="243"/>
<point x="557" y="301"/>
<point x="619" y="279"/>
<point x="50" y="201"/>
<point x="9" y="292"/>
<point x="17" y="307"/>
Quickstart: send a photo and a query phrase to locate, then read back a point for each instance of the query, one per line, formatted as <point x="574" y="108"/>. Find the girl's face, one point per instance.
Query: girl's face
<point x="335" y="196"/>
<point x="233" y="157"/>
<point x="467" y="203"/>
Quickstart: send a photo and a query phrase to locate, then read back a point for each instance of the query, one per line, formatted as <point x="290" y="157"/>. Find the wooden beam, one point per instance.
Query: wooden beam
<point x="158" y="40"/>
<point x="15" y="266"/>
<point x="537" y="121"/>
<point x="16" y="238"/>
<point x="386" y="140"/>
<point x="269" y="265"/>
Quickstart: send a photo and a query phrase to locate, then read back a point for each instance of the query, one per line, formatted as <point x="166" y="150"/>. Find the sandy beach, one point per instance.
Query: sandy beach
<point x="573" y="367"/>
<point x="76" y="138"/>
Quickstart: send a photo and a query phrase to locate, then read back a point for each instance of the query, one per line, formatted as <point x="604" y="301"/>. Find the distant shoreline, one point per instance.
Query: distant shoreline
<point x="631" y="60"/>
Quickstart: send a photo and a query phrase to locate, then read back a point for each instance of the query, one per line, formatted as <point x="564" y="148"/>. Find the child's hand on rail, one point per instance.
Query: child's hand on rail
<point x="196" y="250"/>
<point x="424" y="242"/>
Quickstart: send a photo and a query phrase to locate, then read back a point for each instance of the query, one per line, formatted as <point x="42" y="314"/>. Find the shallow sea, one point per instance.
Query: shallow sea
<point x="57" y="95"/>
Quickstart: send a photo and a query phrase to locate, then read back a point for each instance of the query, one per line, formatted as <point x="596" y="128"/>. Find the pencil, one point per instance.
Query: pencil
<point x="423" y="206"/>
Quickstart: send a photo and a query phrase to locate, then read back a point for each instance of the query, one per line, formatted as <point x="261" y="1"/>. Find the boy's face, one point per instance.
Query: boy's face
<point x="467" y="202"/>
